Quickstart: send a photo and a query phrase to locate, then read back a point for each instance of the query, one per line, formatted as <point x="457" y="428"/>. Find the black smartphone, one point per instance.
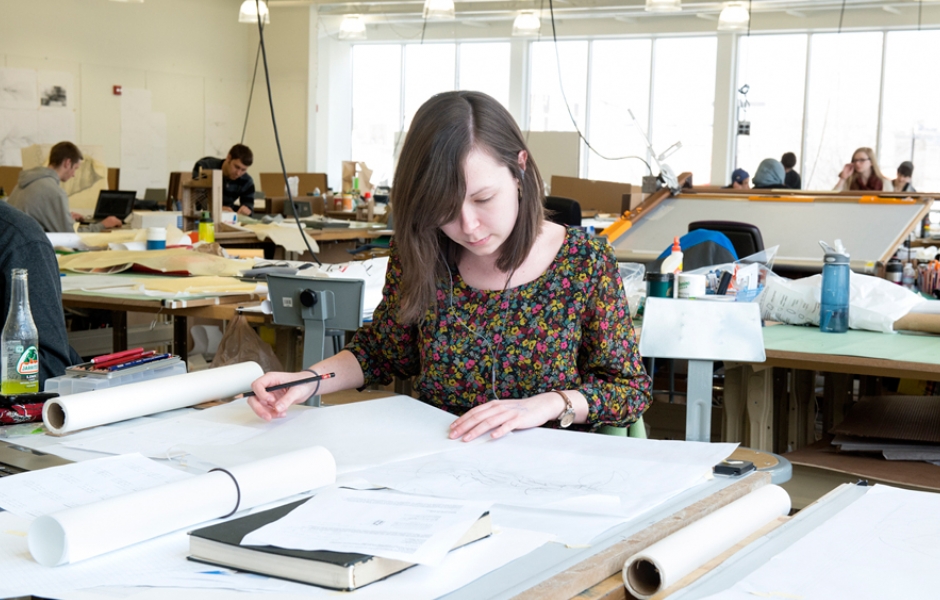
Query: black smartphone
<point x="734" y="467"/>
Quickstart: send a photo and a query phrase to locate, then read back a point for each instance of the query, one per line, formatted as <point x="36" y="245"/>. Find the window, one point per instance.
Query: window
<point x="910" y="124"/>
<point x="485" y="68"/>
<point x="842" y="103"/>
<point x="547" y="109"/>
<point x="620" y="81"/>
<point x="376" y="109"/>
<point x="429" y="70"/>
<point x="683" y="102"/>
<point x="774" y="66"/>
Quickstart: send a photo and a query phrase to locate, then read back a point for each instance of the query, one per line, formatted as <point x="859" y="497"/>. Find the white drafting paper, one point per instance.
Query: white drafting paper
<point x="414" y="529"/>
<point x="886" y="544"/>
<point x="663" y="564"/>
<point x="18" y="129"/>
<point x="89" y="409"/>
<point x="359" y="435"/>
<point x="84" y="532"/>
<point x="567" y="527"/>
<point x="539" y="467"/>
<point x="18" y="89"/>
<point x="38" y="493"/>
<point x="161" y="438"/>
<point x="54" y="125"/>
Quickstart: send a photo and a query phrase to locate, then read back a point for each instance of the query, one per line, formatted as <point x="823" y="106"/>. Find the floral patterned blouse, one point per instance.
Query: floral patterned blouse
<point x="568" y="329"/>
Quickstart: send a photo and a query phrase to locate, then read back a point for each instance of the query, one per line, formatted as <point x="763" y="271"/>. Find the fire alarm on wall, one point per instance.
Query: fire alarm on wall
<point x="116" y="90"/>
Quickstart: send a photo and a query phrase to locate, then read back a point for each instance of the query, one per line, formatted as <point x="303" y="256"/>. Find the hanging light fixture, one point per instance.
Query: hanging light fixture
<point x="248" y="13"/>
<point x="439" y="9"/>
<point x="663" y="5"/>
<point x="527" y="23"/>
<point x="733" y="17"/>
<point x="353" y="27"/>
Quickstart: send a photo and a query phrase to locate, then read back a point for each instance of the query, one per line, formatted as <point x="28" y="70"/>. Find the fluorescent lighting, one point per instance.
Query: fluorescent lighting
<point x="733" y="17"/>
<point x="439" y="9"/>
<point x="526" y="23"/>
<point x="248" y="13"/>
<point x="663" y="5"/>
<point x="353" y="27"/>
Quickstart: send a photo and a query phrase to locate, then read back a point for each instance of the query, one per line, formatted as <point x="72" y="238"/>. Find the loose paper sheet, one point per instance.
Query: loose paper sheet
<point x="415" y="529"/>
<point x="38" y="493"/>
<point x="886" y="544"/>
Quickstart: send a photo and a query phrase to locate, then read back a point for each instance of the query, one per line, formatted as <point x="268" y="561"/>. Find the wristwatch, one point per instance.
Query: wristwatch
<point x="566" y="417"/>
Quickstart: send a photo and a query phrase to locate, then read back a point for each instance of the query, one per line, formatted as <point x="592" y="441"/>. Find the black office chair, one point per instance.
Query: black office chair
<point x="745" y="238"/>
<point x="563" y="211"/>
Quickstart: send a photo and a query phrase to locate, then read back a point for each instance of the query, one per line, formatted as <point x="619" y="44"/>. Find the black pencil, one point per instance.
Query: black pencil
<point x="289" y="384"/>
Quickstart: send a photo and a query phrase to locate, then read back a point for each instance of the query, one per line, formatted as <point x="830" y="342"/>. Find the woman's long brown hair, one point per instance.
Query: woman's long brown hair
<point x="430" y="187"/>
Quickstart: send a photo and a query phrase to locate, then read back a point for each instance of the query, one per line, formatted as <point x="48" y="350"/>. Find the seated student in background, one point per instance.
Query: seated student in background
<point x="23" y="245"/>
<point x="769" y="175"/>
<point x="792" y="179"/>
<point x="863" y="173"/>
<point x="238" y="188"/>
<point x="489" y="305"/>
<point x="740" y="180"/>
<point x="38" y="193"/>
<point x="902" y="183"/>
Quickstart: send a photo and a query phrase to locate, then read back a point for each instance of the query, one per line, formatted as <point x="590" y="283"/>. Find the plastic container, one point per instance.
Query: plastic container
<point x="834" y="299"/>
<point x="894" y="270"/>
<point x="660" y="285"/>
<point x="673" y="264"/>
<point x="156" y="238"/>
<point x="71" y="383"/>
<point x="206" y="228"/>
<point x="908" y="276"/>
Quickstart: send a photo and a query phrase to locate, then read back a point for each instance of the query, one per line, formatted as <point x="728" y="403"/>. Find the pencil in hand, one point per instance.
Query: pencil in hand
<point x="290" y="384"/>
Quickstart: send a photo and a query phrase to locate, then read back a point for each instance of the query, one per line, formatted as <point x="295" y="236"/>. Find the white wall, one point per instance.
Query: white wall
<point x="190" y="54"/>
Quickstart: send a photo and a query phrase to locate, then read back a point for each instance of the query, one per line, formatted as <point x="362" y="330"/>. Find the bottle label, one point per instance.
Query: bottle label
<point x="28" y="363"/>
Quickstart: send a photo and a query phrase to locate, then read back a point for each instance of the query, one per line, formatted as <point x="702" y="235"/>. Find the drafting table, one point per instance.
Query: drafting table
<point x="870" y="229"/>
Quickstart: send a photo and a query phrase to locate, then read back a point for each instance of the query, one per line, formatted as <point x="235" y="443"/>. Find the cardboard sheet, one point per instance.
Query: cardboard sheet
<point x="911" y="418"/>
<point x="177" y="260"/>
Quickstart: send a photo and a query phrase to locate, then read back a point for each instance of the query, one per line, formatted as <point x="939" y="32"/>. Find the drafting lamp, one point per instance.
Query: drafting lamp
<point x="666" y="174"/>
<point x="316" y="304"/>
<point x="701" y="331"/>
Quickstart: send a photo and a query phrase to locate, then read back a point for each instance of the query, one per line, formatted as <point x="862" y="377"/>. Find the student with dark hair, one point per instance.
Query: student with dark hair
<point x="39" y="194"/>
<point x="502" y="317"/>
<point x="238" y="188"/>
<point x="863" y="173"/>
<point x="792" y="179"/>
<point x="902" y="183"/>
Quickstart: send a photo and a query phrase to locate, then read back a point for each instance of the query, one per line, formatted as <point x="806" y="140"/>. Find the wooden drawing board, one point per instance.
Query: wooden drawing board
<point x="871" y="232"/>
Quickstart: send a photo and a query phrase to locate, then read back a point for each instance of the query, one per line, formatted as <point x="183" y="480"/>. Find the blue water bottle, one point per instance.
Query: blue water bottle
<point x="834" y="299"/>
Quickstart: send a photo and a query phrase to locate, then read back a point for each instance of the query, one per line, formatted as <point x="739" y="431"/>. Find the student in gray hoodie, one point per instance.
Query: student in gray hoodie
<point x="39" y="194"/>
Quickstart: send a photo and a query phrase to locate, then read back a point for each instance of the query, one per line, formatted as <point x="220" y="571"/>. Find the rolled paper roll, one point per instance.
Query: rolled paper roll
<point x="75" y="534"/>
<point x="658" y="567"/>
<point x="89" y="409"/>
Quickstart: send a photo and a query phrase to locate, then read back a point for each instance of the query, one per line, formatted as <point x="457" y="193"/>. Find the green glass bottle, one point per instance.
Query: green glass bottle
<point x="19" y="343"/>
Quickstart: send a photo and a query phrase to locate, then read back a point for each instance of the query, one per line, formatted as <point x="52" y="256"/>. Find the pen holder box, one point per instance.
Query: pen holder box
<point x="73" y="382"/>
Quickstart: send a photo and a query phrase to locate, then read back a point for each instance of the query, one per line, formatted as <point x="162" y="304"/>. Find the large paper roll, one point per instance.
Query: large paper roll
<point x="75" y="534"/>
<point x="667" y="561"/>
<point x="110" y="405"/>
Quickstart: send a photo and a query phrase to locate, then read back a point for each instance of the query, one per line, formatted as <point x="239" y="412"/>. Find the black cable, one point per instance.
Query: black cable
<point x="564" y="97"/>
<point x="251" y="93"/>
<point x="277" y="138"/>
<point x="841" y="15"/>
<point x="750" y="15"/>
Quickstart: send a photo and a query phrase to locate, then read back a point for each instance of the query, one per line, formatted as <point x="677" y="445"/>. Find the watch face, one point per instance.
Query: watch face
<point x="567" y="419"/>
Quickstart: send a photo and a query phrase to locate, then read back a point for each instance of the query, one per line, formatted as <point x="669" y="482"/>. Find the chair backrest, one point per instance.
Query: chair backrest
<point x="745" y="238"/>
<point x="563" y="211"/>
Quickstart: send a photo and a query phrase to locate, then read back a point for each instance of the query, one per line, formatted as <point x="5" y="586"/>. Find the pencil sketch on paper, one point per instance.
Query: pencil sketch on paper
<point x="897" y="530"/>
<point x="18" y="89"/>
<point x="18" y="129"/>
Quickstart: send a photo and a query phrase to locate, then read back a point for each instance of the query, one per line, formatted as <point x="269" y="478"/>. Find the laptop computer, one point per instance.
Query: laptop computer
<point x="114" y="203"/>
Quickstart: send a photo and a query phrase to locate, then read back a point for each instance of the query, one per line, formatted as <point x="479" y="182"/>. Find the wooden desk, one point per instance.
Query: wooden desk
<point x="331" y="234"/>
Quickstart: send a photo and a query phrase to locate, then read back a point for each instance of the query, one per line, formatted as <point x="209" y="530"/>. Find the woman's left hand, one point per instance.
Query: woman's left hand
<point x="502" y="416"/>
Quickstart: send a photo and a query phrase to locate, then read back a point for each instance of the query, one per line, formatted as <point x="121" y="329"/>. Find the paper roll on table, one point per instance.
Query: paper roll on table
<point x="658" y="567"/>
<point x="75" y="534"/>
<point x="66" y="414"/>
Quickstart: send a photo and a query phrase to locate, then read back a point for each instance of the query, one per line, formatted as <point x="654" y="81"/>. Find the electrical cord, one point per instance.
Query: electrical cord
<point x="277" y="138"/>
<point x="251" y="92"/>
<point x="564" y="97"/>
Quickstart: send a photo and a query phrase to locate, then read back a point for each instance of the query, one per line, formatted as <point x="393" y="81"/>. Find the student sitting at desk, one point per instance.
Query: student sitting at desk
<point x="863" y="173"/>
<point x="38" y="193"/>
<point x="504" y="318"/>
<point x="770" y="175"/>
<point x="238" y="188"/>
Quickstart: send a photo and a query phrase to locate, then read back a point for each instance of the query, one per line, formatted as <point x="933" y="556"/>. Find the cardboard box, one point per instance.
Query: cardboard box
<point x="603" y="196"/>
<point x="142" y="219"/>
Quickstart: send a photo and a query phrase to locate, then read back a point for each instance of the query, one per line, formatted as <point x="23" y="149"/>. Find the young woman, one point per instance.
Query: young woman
<point x="502" y="317"/>
<point x="863" y="173"/>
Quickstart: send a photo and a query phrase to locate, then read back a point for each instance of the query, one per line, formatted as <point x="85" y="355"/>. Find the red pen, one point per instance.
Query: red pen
<point x="125" y="360"/>
<point x="122" y="354"/>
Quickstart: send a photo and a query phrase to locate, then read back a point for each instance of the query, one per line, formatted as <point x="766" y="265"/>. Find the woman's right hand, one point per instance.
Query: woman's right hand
<point x="847" y="171"/>
<point x="273" y="405"/>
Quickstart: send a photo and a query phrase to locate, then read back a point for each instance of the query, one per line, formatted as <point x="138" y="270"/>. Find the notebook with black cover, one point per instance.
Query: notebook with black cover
<point x="219" y="545"/>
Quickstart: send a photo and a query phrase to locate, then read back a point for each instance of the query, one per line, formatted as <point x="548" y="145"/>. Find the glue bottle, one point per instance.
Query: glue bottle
<point x="673" y="263"/>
